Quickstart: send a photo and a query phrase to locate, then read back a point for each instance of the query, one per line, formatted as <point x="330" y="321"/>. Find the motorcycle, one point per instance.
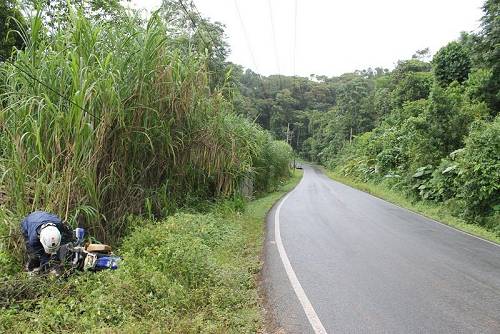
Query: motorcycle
<point x="80" y="256"/>
<point x="90" y="257"/>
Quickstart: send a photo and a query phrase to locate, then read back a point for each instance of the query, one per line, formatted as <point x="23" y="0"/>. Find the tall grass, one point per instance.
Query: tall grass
<point x="144" y="132"/>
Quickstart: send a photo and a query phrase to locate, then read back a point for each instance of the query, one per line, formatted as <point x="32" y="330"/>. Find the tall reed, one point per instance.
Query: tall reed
<point x="144" y="131"/>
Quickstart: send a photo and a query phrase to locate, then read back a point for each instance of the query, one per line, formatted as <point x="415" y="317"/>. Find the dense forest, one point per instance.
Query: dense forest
<point x="428" y="128"/>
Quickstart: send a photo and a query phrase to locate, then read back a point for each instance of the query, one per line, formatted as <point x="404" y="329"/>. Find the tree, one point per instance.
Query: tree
<point x="355" y="104"/>
<point x="423" y="54"/>
<point x="11" y="21"/>
<point x="406" y="66"/>
<point x="480" y="170"/>
<point x="451" y="63"/>
<point x="489" y="46"/>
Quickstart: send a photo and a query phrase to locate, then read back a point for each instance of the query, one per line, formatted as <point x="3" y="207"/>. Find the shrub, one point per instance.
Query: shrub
<point x="480" y="170"/>
<point x="172" y="279"/>
<point x="444" y="181"/>
<point x="272" y="164"/>
<point x="421" y="182"/>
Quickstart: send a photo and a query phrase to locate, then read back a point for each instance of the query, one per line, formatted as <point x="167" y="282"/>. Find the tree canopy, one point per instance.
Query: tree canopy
<point x="416" y="126"/>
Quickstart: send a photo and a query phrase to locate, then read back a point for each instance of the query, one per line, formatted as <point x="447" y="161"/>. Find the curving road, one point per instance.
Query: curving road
<point x="338" y="260"/>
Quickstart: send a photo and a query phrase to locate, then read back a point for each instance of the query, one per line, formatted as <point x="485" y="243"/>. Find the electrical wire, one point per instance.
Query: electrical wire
<point x="31" y="76"/>
<point x="295" y="43"/>
<point x="294" y="62"/>
<point x="241" y="20"/>
<point x="274" y="42"/>
<point x="243" y="26"/>
<point x="249" y="46"/>
<point x="245" y="33"/>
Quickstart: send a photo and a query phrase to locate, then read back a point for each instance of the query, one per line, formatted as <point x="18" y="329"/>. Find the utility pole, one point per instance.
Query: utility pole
<point x="298" y="136"/>
<point x="288" y="134"/>
<point x="289" y="141"/>
<point x="350" y="137"/>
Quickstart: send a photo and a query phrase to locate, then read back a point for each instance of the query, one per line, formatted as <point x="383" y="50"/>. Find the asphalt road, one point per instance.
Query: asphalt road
<point x="364" y="265"/>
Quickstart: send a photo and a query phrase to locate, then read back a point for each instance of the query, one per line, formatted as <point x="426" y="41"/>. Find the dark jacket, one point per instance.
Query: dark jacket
<point x="30" y="227"/>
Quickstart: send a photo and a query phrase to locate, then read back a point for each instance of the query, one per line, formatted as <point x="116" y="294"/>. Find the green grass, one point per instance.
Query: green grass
<point x="434" y="211"/>
<point x="189" y="273"/>
<point x="257" y="210"/>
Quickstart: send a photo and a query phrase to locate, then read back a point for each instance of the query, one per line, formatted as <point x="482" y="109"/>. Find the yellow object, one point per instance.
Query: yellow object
<point x="98" y="248"/>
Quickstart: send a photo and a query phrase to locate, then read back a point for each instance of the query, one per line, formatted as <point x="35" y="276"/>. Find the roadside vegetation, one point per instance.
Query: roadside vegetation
<point x="142" y="132"/>
<point x="127" y="127"/>
<point x="188" y="273"/>
<point x="100" y="122"/>
<point x="427" y="131"/>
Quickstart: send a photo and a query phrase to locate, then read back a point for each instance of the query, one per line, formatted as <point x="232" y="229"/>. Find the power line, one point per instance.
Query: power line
<point x="196" y="26"/>
<point x="294" y="68"/>
<point x="274" y="41"/>
<point x="247" y="39"/>
<point x="241" y="20"/>
<point x="51" y="89"/>
<point x="295" y="42"/>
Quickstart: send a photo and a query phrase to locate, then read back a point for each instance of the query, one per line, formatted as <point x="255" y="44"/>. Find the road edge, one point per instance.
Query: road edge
<point x="354" y="185"/>
<point x="271" y="324"/>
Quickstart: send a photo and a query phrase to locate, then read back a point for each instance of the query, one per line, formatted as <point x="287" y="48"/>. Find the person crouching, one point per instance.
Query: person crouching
<point x="42" y="235"/>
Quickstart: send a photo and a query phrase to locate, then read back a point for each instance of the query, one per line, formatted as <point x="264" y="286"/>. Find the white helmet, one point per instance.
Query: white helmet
<point x="50" y="237"/>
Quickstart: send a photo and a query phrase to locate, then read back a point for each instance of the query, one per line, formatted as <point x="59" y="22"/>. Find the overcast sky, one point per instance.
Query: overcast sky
<point x="334" y="36"/>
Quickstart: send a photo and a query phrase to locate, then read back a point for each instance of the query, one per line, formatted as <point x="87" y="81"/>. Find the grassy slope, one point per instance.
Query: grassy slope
<point x="252" y="222"/>
<point x="190" y="273"/>
<point x="434" y="211"/>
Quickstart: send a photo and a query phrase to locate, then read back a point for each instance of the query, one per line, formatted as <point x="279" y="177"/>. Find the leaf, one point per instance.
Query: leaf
<point x="456" y="152"/>
<point x="423" y="171"/>
<point x="449" y="169"/>
<point x="419" y="173"/>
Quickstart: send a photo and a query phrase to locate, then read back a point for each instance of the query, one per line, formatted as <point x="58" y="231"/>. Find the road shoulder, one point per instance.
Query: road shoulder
<point x="272" y="201"/>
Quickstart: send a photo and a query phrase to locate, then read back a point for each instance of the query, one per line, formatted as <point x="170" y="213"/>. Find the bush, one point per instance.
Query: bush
<point x="444" y="181"/>
<point x="172" y="279"/>
<point x="421" y="182"/>
<point x="413" y="87"/>
<point x="480" y="170"/>
<point x="272" y="165"/>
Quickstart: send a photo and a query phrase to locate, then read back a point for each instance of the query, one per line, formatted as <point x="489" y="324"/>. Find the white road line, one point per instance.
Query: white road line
<point x="297" y="287"/>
